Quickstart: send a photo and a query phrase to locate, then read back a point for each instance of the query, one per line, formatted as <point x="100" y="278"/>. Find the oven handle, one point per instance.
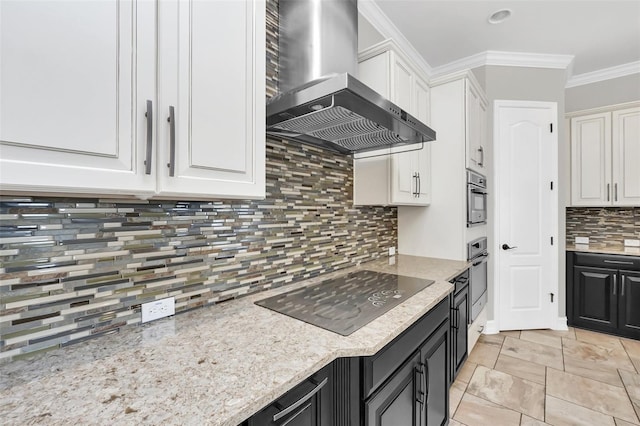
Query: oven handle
<point x="480" y="259"/>
<point x="478" y="191"/>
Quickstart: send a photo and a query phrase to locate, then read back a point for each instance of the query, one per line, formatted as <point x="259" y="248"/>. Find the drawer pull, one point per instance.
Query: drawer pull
<point x="301" y="401"/>
<point x="618" y="262"/>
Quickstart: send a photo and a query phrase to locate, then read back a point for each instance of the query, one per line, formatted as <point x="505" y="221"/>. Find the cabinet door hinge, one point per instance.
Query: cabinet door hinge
<point x="551" y="127"/>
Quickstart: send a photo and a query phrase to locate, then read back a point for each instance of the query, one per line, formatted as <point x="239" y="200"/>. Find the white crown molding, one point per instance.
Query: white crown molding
<point x="372" y="13"/>
<point x="604" y="74"/>
<point x="508" y="59"/>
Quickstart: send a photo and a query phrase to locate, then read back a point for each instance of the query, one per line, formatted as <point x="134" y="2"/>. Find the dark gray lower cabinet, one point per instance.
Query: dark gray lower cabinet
<point x="459" y="320"/>
<point x="395" y="404"/>
<point x="629" y="302"/>
<point x="435" y="360"/>
<point x="418" y="392"/>
<point x="603" y="293"/>
<point x="405" y="384"/>
<point x="308" y="404"/>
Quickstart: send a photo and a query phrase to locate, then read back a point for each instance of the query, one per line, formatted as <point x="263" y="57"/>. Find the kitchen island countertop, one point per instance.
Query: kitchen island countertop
<point x="217" y="365"/>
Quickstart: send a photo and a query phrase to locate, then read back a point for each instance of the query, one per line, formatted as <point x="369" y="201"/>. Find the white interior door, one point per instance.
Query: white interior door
<point x="526" y="214"/>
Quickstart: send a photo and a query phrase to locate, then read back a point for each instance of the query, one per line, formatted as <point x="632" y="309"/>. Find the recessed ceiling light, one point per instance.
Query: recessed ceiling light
<point x="499" y="16"/>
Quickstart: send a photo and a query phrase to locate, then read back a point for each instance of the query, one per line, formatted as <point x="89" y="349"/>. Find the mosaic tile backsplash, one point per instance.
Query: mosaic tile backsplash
<point x="73" y="269"/>
<point x="610" y="226"/>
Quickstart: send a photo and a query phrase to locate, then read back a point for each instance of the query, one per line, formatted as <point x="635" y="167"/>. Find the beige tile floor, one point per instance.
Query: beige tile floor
<point x="545" y="377"/>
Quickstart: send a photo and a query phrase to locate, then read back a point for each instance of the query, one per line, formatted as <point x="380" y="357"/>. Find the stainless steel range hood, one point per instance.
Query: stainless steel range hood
<point x="321" y="103"/>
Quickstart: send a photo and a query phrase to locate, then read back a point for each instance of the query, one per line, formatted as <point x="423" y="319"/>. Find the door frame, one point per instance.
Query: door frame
<point x="554" y="286"/>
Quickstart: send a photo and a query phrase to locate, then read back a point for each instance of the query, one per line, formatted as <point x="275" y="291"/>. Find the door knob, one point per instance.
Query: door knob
<point x="506" y="247"/>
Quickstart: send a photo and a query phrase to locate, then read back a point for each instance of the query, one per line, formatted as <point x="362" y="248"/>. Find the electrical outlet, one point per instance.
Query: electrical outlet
<point x="158" y="309"/>
<point x="632" y="243"/>
<point x="392" y="251"/>
<point x="582" y="240"/>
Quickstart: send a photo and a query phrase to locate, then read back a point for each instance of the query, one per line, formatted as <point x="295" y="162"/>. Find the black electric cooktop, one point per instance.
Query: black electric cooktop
<point x="346" y="303"/>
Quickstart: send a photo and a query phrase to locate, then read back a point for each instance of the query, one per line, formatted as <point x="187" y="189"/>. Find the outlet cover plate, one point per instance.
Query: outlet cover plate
<point x="632" y="243"/>
<point x="582" y="240"/>
<point x="392" y="251"/>
<point x="158" y="309"/>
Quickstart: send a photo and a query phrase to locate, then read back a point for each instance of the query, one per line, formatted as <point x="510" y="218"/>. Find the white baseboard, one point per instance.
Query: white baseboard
<point x="561" y="324"/>
<point x="491" y="327"/>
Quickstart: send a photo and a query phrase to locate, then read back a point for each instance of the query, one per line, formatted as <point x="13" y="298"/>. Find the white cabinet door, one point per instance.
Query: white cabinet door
<point x="591" y="160"/>
<point x="213" y="67"/>
<point x="476" y="114"/>
<point x="626" y="157"/>
<point x="76" y="77"/>
<point x="403" y="83"/>
<point x="423" y="157"/>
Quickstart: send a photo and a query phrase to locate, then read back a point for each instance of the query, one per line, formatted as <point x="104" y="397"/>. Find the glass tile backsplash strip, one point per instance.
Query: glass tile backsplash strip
<point x="72" y="269"/>
<point x="603" y="225"/>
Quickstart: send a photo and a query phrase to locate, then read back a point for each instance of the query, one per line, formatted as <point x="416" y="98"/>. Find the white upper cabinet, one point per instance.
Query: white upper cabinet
<point x="591" y="160"/>
<point x="87" y="89"/>
<point x="476" y="121"/>
<point x="626" y="157"/>
<point x="75" y="81"/>
<point x="403" y="178"/>
<point x="605" y="153"/>
<point x="213" y="81"/>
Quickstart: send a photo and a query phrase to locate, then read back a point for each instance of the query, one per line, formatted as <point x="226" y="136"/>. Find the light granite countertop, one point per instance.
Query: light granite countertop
<point x="604" y="249"/>
<point x="212" y="366"/>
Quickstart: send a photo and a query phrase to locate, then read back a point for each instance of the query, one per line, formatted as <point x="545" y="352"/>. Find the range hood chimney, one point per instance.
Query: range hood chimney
<point x="320" y="102"/>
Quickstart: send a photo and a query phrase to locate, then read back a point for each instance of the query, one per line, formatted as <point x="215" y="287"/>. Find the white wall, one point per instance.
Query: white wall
<point x="609" y="92"/>
<point x="533" y="84"/>
<point x="367" y="34"/>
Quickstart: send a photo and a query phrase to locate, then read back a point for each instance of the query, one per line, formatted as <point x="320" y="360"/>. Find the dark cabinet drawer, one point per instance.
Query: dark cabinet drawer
<point x="379" y="367"/>
<point x="608" y="261"/>
<point x="308" y="404"/>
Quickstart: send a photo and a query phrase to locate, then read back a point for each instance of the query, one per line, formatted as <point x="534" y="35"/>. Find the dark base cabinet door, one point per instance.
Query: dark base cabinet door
<point x="629" y="304"/>
<point x="459" y="335"/>
<point x="435" y="358"/>
<point x="595" y="298"/>
<point x="395" y="403"/>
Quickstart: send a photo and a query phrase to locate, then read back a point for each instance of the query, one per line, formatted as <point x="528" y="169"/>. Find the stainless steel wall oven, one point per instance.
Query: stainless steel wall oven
<point x="476" y="199"/>
<point x="477" y="253"/>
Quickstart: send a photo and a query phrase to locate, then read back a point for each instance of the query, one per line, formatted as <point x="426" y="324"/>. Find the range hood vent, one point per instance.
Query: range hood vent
<point x="323" y="104"/>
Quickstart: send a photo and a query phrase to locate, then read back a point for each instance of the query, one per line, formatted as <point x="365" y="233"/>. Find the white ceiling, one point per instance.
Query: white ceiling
<point x="599" y="34"/>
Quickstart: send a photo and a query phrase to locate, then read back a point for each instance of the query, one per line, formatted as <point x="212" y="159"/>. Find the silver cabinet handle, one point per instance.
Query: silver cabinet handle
<point x="615" y="191"/>
<point x="419" y="185"/>
<point x="147" y="159"/>
<point x="301" y="401"/>
<point x="618" y="262"/>
<point x="415" y="181"/>
<point x="419" y="392"/>
<point x="615" y="284"/>
<point x="608" y="192"/>
<point x="622" y="283"/>
<point x="481" y="162"/>
<point x="172" y="142"/>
